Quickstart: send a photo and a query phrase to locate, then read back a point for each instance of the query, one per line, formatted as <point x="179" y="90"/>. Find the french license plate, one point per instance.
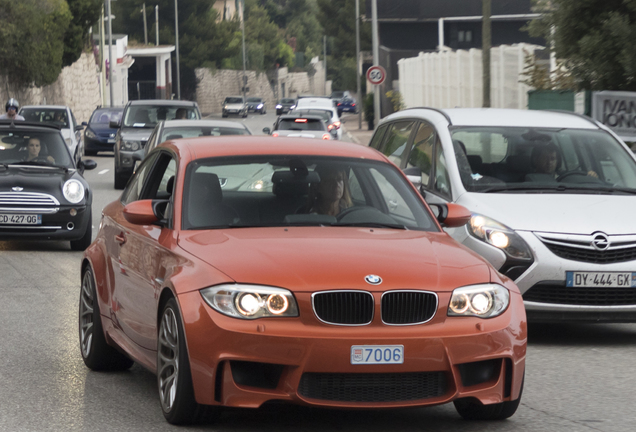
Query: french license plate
<point x="111" y="141"/>
<point x="377" y="354"/>
<point x="14" y="219"/>
<point x="600" y="279"/>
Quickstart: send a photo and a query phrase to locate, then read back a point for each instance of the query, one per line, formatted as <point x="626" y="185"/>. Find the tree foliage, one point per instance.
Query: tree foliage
<point x="85" y="14"/>
<point x="32" y="34"/>
<point x="593" y="38"/>
<point x="203" y="42"/>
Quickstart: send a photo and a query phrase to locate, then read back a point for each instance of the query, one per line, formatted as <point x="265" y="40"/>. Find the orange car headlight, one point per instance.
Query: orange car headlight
<point x="250" y="301"/>
<point x="484" y="301"/>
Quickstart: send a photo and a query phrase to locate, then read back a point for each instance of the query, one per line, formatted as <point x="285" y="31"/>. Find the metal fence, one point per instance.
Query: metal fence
<point x="142" y="90"/>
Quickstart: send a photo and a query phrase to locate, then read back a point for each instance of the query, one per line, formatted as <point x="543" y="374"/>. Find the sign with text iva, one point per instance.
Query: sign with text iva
<point x="617" y="111"/>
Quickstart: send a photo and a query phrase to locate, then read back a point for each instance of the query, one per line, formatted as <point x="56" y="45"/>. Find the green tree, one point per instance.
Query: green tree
<point x="203" y="42"/>
<point x="32" y="34"/>
<point x="85" y="14"/>
<point x="592" y="37"/>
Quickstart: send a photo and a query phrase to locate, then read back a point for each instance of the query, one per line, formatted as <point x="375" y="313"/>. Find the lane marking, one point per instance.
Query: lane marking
<point x="103" y="171"/>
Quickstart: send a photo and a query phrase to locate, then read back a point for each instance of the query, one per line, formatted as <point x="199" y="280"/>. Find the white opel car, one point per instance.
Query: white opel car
<point x="325" y="108"/>
<point x="553" y="197"/>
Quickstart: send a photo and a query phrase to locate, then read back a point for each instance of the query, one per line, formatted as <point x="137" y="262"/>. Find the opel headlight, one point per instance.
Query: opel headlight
<point x="130" y="145"/>
<point x="483" y="301"/>
<point x="73" y="191"/>
<point x="250" y="301"/>
<point x="500" y="236"/>
<point x="90" y="134"/>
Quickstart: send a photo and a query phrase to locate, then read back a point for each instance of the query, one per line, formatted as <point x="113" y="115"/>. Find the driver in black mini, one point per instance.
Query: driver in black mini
<point x="34" y="147"/>
<point x="331" y="196"/>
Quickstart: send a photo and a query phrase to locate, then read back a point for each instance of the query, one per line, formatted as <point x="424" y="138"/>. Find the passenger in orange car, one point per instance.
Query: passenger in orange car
<point x="331" y="196"/>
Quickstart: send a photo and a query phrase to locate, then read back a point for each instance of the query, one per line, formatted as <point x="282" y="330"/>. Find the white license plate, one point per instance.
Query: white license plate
<point x="111" y="141"/>
<point x="600" y="279"/>
<point x="377" y="354"/>
<point x="14" y="219"/>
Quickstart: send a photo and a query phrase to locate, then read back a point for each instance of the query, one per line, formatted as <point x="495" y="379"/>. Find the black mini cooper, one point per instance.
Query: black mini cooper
<point x="43" y="195"/>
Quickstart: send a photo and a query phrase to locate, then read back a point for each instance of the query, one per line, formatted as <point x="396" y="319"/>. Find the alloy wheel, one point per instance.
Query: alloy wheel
<point x="86" y="314"/>
<point x="168" y="359"/>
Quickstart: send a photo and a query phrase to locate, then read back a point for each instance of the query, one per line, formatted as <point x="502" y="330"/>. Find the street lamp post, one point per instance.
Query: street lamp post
<point x="376" y="60"/>
<point x="110" y="54"/>
<point x="359" y="90"/>
<point x="176" y="32"/>
<point x="244" y="59"/>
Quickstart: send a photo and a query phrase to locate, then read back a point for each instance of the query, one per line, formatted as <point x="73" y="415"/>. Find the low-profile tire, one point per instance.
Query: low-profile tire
<point x="472" y="409"/>
<point x="96" y="353"/>
<point x="84" y="242"/>
<point x="174" y="379"/>
<point x="120" y="181"/>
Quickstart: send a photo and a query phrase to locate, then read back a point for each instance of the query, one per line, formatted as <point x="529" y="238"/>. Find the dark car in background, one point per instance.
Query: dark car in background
<point x="256" y="104"/>
<point x="43" y="195"/>
<point x="346" y="104"/>
<point x="98" y="135"/>
<point x="137" y="123"/>
<point x="177" y="129"/>
<point x="285" y="105"/>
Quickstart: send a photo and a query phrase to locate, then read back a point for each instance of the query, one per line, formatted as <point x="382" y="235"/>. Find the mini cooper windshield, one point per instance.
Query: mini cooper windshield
<point x="34" y="148"/>
<point x="500" y="159"/>
<point x="300" y="191"/>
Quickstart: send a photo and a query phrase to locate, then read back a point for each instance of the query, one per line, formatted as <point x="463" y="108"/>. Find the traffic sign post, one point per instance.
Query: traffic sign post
<point x="376" y="75"/>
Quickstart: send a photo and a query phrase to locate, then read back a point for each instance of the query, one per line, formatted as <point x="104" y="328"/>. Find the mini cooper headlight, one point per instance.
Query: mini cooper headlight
<point x="130" y="145"/>
<point x="500" y="236"/>
<point x="90" y="134"/>
<point x="73" y="191"/>
<point x="484" y="301"/>
<point x="250" y="301"/>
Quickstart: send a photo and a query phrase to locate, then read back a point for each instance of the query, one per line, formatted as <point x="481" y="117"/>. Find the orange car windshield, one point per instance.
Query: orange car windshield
<point x="300" y="191"/>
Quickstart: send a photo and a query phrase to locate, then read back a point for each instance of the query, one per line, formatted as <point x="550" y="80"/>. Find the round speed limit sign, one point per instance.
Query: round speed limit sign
<point x="376" y="75"/>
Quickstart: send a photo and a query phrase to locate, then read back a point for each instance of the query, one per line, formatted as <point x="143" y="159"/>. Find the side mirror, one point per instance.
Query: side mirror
<point x="87" y="164"/>
<point x="141" y="212"/>
<point x="113" y="124"/>
<point x="451" y="215"/>
<point x="79" y="127"/>
<point x="267" y="130"/>
<point x="84" y="124"/>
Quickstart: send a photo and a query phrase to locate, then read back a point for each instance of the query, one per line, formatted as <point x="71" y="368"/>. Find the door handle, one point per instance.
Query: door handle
<point x="120" y="238"/>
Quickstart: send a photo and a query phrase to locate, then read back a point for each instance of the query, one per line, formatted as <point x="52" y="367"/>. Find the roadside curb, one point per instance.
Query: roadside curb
<point x="352" y="137"/>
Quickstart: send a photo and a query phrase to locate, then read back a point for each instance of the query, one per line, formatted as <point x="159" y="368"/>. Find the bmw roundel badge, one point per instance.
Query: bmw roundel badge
<point x="373" y="279"/>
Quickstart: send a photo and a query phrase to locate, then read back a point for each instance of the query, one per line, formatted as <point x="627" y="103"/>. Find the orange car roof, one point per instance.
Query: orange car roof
<point x="203" y="147"/>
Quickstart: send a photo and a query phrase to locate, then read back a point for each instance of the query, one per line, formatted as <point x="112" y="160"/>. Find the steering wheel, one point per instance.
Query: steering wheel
<point x="352" y="210"/>
<point x="570" y="174"/>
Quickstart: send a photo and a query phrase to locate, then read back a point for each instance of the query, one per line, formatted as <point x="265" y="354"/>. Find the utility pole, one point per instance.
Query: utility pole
<point x="157" y="25"/>
<point x="110" y="54"/>
<point x="143" y="10"/>
<point x="485" y="52"/>
<point x="102" y="58"/>
<point x="376" y="60"/>
<point x="244" y="59"/>
<point x="358" y="86"/>
<point x="324" y="39"/>
<point x="176" y="33"/>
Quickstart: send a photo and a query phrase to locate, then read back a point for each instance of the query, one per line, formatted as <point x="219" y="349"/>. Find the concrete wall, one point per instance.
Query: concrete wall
<point x="77" y="87"/>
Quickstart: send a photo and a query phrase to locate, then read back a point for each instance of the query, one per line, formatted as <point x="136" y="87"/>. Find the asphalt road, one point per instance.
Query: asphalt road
<point x="578" y="376"/>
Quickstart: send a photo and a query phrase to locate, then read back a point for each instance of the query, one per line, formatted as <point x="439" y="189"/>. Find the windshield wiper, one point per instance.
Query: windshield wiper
<point x="559" y="188"/>
<point x="371" y="225"/>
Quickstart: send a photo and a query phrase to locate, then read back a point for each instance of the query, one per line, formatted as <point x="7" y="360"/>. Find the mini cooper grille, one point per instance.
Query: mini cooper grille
<point x="559" y="294"/>
<point x="344" y="307"/>
<point x="27" y="198"/>
<point x="408" y="307"/>
<point x="370" y="387"/>
<point x="593" y="256"/>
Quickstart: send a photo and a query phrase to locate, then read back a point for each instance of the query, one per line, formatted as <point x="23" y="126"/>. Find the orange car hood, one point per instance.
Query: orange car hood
<point x="323" y="258"/>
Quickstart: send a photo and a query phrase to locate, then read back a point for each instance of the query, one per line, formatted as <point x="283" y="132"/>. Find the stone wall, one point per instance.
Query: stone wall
<point x="77" y="87"/>
<point x="215" y="85"/>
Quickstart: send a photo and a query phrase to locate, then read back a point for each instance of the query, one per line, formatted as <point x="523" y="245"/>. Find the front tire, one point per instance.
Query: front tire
<point x="84" y="242"/>
<point x="96" y="353"/>
<point x="472" y="409"/>
<point x="174" y="379"/>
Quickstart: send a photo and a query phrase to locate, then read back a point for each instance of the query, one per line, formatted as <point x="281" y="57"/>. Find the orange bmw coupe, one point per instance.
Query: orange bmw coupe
<point x="245" y="270"/>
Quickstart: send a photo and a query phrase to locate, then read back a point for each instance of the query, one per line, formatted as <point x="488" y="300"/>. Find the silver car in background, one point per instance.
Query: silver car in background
<point x="552" y="195"/>
<point x="299" y="126"/>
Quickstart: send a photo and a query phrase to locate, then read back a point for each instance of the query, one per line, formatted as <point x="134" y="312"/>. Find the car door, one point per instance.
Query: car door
<point x="142" y="256"/>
